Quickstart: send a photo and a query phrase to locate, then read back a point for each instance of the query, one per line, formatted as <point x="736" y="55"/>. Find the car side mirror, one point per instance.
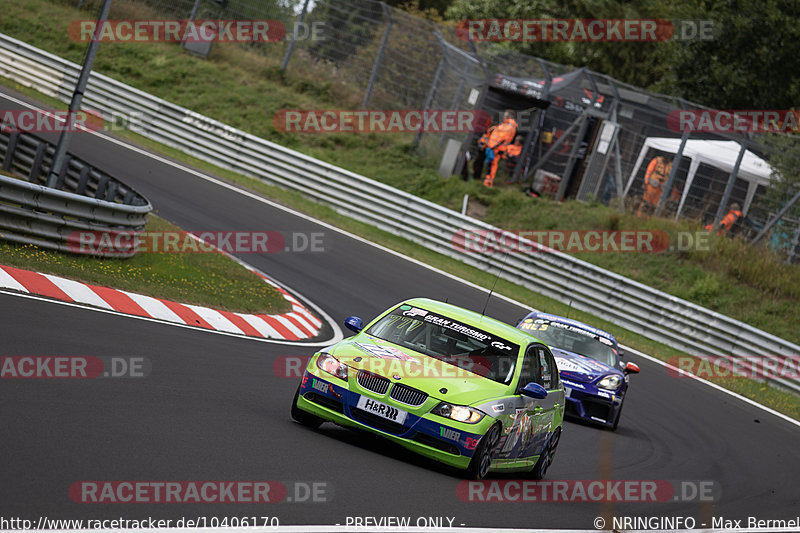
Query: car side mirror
<point x="631" y="368"/>
<point x="354" y="323"/>
<point x="534" y="390"/>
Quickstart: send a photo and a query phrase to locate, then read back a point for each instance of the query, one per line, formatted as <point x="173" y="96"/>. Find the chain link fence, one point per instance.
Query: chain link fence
<point x="585" y="135"/>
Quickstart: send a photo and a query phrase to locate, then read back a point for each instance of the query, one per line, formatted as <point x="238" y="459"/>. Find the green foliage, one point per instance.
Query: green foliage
<point x="751" y="62"/>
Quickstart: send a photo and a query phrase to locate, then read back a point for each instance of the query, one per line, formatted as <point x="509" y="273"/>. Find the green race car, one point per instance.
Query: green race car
<point x="445" y="382"/>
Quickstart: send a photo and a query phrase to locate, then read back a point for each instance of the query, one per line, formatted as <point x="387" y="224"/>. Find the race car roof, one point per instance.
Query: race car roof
<point x="571" y="322"/>
<point x="486" y="323"/>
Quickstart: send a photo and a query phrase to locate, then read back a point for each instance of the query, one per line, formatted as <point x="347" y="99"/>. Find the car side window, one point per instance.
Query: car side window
<point x="530" y="368"/>
<point x="549" y="370"/>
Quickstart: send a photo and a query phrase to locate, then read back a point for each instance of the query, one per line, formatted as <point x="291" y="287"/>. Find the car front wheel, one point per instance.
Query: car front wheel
<point x="482" y="460"/>
<point x="305" y="418"/>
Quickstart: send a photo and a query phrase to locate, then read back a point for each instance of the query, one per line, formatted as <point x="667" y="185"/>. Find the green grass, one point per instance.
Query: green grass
<point x="208" y="279"/>
<point x="245" y="90"/>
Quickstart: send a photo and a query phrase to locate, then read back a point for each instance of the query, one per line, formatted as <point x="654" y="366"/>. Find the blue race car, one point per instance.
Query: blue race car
<point x="595" y="378"/>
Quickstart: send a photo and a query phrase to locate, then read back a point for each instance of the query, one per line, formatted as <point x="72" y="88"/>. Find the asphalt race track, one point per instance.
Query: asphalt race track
<point x="214" y="409"/>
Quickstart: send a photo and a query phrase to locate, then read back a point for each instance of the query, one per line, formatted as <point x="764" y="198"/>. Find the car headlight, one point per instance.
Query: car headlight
<point x="332" y="366"/>
<point x="461" y="413"/>
<point x="611" y="382"/>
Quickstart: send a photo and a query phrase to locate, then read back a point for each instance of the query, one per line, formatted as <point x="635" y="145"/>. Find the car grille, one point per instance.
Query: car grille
<point x="372" y="382"/>
<point x="407" y="395"/>
<point x="600" y="410"/>
<point x="377" y="422"/>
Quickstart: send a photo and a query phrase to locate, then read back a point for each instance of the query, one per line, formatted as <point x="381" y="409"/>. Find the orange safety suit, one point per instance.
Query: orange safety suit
<point x="513" y="150"/>
<point x="727" y="222"/>
<point x="499" y="138"/>
<point x="654" y="181"/>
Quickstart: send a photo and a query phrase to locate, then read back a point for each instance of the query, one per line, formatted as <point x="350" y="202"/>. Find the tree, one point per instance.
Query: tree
<point x="631" y="62"/>
<point x="752" y="63"/>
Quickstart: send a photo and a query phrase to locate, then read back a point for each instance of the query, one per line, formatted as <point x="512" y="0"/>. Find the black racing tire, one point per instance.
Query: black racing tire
<point x="304" y="417"/>
<point x="482" y="460"/>
<point x="546" y="458"/>
<point x="619" y="415"/>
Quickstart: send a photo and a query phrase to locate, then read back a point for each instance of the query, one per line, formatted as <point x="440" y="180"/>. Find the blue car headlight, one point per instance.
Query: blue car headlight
<point x="610" y="382"/>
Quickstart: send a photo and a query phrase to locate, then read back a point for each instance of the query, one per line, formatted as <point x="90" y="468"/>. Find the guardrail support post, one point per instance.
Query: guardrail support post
<point x="83" y="180"/>
<point x="33" y="177"/>
<point x="77" y="96"/>
<point x="12" y="145"/>
<point x="62" y="175"/>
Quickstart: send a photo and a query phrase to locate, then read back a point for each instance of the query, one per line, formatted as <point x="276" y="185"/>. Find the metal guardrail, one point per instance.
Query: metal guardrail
<point x="629" y="304"/>
<point x="85" y="199"/>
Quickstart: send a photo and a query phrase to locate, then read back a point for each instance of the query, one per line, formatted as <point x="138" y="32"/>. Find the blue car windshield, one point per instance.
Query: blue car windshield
<point x="572" y="339"/>
<point x="450" y="341"/>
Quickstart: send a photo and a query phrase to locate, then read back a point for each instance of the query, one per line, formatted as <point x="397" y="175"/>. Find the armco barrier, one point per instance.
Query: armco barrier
<point x="84" y="199"/>
<point x="629" y="304"/>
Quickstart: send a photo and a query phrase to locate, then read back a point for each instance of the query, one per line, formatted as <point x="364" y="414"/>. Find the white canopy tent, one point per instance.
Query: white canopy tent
<point x="719" y="154"/>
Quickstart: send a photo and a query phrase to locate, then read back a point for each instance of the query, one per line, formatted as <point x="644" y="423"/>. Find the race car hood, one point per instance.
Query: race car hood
<point x="417" y="370"/>
<point x="580" y="368"/>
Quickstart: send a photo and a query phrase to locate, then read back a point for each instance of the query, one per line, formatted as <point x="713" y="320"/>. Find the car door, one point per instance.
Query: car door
<point x="551" y="381"/>
<point x="532" y="417"/>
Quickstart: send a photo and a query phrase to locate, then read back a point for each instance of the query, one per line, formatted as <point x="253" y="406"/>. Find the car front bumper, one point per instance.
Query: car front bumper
<point x="432" y="436"/>
<point x="595" y="406"/>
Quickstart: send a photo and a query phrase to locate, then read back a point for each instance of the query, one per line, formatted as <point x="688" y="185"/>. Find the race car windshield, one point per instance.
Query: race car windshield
<point x="450" y="341"/>
<point x="568" y="338"/>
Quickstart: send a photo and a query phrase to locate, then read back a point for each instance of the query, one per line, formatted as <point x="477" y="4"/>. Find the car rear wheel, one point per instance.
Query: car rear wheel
<point x="305" y="418"/>
<point x="546" y="458"/>
<point x="482" y="460"/>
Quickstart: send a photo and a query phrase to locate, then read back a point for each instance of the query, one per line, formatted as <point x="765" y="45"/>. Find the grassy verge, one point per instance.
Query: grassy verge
<point x="209" y="279"/>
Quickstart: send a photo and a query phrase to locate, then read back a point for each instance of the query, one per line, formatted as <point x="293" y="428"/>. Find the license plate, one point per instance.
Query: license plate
<point x="381" y="409"/>
<point x="567" y="392"/>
